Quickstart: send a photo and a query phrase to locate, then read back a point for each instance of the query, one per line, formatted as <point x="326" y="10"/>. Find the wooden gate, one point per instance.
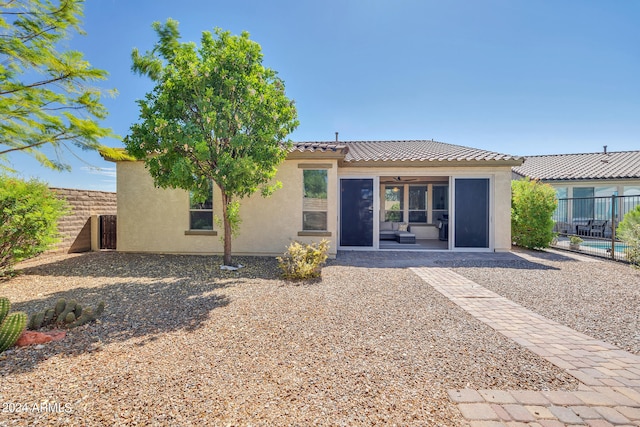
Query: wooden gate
<point x="108" y="225"/>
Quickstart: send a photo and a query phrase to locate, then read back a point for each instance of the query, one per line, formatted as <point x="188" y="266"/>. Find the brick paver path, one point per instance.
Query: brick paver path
<point x="609" y="393"/>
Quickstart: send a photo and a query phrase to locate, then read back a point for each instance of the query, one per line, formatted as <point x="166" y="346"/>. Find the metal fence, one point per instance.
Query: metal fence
<point x="594" y="221"/>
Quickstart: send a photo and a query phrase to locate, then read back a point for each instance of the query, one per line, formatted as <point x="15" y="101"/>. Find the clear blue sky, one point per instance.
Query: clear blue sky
<point x="515" y="76"/>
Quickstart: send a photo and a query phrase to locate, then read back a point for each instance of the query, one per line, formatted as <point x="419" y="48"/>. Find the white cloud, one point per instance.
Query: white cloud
<point x="110" y="172"/>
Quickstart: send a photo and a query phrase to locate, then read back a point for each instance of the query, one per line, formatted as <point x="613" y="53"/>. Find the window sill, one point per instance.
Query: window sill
<point x="201" y="233"/>
<point x="315" y="233"/>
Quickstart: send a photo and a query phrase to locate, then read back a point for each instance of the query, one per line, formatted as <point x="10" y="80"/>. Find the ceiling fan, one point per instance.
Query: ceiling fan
<point x="399" y="179"/>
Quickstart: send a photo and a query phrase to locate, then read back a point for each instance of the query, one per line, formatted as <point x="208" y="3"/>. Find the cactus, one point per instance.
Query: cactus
<point x="48" y="316"/>
<point x="38" y="318"/>
<point x="88" y="316"/>
<point x="99" y="309"/>
<point x="11" y="328"/>
<point x="69" y="318"/>
<point x="71" y="305"/>
<point x="5" y="306"/>
<point x="60" y="305"/>
<point x="65" y="313"/>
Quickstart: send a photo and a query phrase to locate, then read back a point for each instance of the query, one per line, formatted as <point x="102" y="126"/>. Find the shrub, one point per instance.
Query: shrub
<point x="575" y="240"/>
<point x="629" y="232"/>
<point x="532" y="206"/>
<point x="29" y="212"/>
<point x="303" y="261"/>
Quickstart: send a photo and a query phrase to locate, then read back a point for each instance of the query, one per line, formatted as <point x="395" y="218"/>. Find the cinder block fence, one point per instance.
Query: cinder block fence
<point x="76" y="227"/>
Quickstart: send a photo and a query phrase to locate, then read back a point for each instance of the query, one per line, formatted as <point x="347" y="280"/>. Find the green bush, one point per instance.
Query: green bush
<point x="303" y="261"/>
<point x="629" y="232"/>
<point x="532" y="206"/>
<point x="29" y="213"/>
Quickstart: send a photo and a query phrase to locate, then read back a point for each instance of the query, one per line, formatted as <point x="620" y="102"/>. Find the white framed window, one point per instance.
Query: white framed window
<point x="394" y="203"/>
<point x="418" y="204"/>
<point x="201" y="212"/>
<point x="314" y="203"/>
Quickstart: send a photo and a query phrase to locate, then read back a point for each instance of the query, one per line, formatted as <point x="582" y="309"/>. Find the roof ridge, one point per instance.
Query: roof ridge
<point x="582" y="154"/>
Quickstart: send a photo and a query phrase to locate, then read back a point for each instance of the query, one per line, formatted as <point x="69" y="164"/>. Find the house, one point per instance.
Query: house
<point x="585" y="184"/>
<point x="450" y="198"/>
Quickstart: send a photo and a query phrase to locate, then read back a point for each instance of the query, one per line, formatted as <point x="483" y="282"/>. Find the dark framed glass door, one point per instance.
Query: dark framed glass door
<point x="471" y="212"/>
<point x="356" y="212"/>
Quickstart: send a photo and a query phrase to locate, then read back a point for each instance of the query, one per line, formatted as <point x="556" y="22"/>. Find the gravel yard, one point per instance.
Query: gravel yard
<point x="183" y="343"/>
<point x="597" y="298"/>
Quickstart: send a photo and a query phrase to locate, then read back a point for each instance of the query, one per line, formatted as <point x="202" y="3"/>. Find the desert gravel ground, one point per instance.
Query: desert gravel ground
<point x="182" y="343"/>
<point x="600" y="298"/>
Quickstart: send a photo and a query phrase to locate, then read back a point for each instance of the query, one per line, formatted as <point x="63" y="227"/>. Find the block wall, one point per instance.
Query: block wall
<point x="75" y="228"/>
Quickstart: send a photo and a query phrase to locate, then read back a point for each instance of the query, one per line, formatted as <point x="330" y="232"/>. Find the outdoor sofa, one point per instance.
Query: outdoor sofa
<point x="397" y="231"/>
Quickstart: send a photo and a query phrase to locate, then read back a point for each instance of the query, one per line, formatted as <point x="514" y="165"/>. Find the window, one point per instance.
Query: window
<point x="314" y="204"/>
<point x="394" y="203"/>
<point x="418" y="203"/>
<point x="201" y="212"/>
<point x="440" y="202"/>
<point x="562" y="210"/>
<point x="602" y="203"/>
<point x="631" y="199"/>
<point x="583" y="206"/>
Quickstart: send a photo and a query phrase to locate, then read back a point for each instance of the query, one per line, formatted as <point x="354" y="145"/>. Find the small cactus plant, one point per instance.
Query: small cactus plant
<point x="5" y="306"/>
<point x="11" y="325"/>
<point x="65" y="313"/>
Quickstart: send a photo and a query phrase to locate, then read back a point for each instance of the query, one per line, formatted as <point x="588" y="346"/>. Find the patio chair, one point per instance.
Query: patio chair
<point x="584" y="230"/>
<point x="593" y="228"/>
<point x="598" y="228"/>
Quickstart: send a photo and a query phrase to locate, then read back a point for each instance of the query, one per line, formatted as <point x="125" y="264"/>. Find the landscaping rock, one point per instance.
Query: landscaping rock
<point x="34" y="337"/>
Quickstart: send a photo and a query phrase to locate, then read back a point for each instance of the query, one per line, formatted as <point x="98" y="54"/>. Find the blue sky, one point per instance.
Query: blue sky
<point x="514" y="76"/>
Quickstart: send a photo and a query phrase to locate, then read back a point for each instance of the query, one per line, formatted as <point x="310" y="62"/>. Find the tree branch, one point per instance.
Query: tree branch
<point x="40" y="83"/>
<point x="36" y="144"/>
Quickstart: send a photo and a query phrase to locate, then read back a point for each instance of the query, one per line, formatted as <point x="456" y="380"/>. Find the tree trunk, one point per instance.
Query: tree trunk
<point x="227" y="228"/>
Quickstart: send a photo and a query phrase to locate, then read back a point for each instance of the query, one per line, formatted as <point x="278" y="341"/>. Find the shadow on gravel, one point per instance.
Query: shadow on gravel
<point x="139" y="309"/>
<point x="405" y="259"/>
<point x="125" y="265"/>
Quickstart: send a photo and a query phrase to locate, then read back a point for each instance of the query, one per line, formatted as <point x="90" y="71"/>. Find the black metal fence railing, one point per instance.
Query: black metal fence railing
<point x="588" y="224"/>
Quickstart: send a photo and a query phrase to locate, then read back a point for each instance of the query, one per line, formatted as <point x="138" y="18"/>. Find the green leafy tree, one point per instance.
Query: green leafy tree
<point x="29" y="213"/>
<point x="532" y="207"/>
<point x="629" y="232"/>
<point x="45" y="96"/>
<point x="215" y="114"/>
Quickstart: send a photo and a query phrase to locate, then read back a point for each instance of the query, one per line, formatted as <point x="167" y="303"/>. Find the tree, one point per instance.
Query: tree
<point x="532" y="206"/>
<point x="215" y="114"/>
<point x="629" y="232"/>
<point x="29" y="213"/>
<point x="45" y="98"/>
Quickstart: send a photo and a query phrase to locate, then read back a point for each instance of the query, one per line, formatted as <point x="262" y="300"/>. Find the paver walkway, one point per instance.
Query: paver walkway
<point x="609" y="393"/>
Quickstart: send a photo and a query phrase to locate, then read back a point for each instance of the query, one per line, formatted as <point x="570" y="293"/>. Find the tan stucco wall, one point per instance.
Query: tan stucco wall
<point x="155" y="220"/>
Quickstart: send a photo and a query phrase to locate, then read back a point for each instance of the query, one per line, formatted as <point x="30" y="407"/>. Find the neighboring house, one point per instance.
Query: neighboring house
<point x="585" y="182"/>
<point x="451" y="197"/>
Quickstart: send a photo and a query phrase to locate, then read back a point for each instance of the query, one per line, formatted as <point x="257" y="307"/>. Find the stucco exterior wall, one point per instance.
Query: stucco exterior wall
<point x="155" y="220"/>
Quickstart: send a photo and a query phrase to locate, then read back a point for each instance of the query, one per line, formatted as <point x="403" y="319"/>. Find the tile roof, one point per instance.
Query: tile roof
<point x="317" y="146"/>
<point x="409" y="151"/>
<point x="613" y="165"/>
